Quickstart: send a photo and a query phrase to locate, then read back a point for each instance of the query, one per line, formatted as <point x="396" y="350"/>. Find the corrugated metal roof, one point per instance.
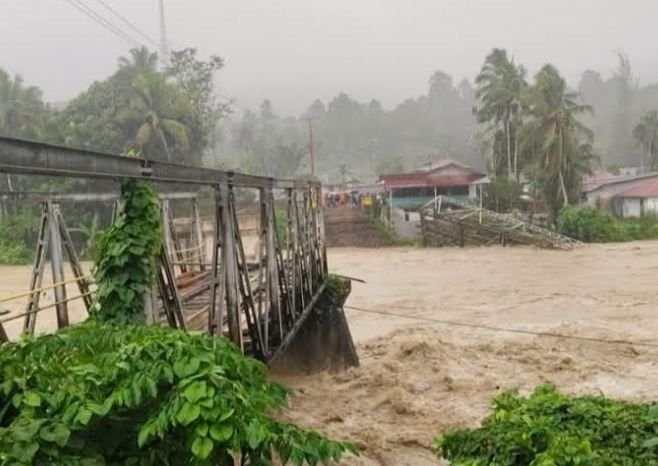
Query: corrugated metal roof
<point x="430" y="176"/>
<point x="642" y="188"/>
<point x="439" y="164"/>
<point x="603" y="180"/>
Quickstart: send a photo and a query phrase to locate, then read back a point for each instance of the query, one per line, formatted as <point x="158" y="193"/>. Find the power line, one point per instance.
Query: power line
<point x="90" y="13"/>
<point x="503" y="329"/>
<point x="127" y="22"/>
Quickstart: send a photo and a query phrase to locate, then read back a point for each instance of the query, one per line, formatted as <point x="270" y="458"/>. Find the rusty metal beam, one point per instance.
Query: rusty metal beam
<point x="84" y="197"/>
<point x="18" y="156"/>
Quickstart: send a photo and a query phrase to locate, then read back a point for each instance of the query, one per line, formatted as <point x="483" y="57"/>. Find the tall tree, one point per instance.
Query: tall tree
<point x="139" y="61"/>
<point x="624" y="87"/>
<point x="196" y="79"/>
<point x="21" y="109"/>
<point x="560" y="142"/>
<point x="154" y="113"/>
<point x="20" y="106"/>
<point x="500" y="85"/>
<point x="646" y="134"/>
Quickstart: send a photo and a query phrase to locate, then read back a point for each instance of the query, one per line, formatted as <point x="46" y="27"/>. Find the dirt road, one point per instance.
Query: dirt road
<point x="418" y="379"/>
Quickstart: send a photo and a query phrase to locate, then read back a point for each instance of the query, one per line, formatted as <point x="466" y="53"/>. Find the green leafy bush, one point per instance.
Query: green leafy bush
<point x="551" y="429"/>
<point x="595" y="226"/>
<point x="17" y="230"/>
<point x="105" y="394"/>
<point x="126" y="256"/>
<point x="588" y="224"/>
<point x="13" y="252"/>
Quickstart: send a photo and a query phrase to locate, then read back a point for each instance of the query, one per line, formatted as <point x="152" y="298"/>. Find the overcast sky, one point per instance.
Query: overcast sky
<point x="293" y="51"/>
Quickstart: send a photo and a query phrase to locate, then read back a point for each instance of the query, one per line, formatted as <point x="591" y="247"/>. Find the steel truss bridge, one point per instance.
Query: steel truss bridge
<point x="260" y="305"/>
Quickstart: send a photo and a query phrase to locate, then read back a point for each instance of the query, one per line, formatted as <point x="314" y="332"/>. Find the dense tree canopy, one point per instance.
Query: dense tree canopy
<point x="170" y="114"/>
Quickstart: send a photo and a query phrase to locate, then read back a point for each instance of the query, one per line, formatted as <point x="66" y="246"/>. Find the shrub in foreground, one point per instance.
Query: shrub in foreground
<point x="103" y="394"/>
<point x="551" y="429"/>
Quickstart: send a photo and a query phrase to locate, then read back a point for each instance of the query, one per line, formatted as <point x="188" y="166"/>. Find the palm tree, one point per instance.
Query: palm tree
<point x="153" y="113"/>
<point x="140" y="61"/>
<point x="560" y="142"/>
<point x="646" y="134"/>
<point x="500" y="85"/>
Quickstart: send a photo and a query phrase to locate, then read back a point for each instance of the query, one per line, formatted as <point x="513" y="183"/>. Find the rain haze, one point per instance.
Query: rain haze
<point x="295" y="51"/>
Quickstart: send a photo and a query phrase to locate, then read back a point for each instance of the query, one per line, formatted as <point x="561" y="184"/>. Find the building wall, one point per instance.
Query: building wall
<point x="473" y="191"/>
<point x="651" y="205"/>
<point x="406" y="225"/>
<point x="602" y="197"/>
<point x="632" y="208"/>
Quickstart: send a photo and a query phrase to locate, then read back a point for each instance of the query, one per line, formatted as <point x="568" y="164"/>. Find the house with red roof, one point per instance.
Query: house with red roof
<point x="623" y="195"/>
<point x="411" y="190"/>
<point x="407" y="192"/>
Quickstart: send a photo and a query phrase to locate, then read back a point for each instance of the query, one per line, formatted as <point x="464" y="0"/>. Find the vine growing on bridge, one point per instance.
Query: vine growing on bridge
<point x="127" y="253"/>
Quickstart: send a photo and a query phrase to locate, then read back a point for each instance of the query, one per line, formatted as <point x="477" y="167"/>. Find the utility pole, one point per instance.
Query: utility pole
<point x="311" y="142"/>
<point x="164" y="44"/>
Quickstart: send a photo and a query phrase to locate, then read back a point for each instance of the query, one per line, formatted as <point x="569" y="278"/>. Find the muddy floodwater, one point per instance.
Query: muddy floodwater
<point x="419" y="378"/>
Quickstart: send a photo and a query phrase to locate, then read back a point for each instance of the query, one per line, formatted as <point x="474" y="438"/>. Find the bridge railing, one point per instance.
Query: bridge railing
<point x="257" y="304"/>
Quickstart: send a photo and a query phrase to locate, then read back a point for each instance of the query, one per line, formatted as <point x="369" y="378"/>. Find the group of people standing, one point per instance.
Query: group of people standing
<point x="353" y="199"/>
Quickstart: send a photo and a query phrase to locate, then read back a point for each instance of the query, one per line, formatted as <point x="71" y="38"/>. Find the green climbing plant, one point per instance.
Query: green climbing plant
<point x="125" y="265"/>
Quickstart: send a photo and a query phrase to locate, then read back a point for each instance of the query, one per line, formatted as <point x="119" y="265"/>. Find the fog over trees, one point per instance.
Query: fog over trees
<point x="482" y="121"/>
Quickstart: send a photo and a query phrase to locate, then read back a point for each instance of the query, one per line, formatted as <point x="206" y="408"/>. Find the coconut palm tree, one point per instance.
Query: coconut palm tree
<point x="560" y="143"/>
<point x="153" y="114"/>
<point x="139" y="61"/>
<point x="500" y="85"/>
<point x="646" y="134"/>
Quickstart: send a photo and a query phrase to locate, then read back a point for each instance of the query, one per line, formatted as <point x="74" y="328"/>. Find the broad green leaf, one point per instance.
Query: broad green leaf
<point x="221" y="432"/>
<point x="226" y="414"/>
<point x="83" y="417"/>
<point x="24" y="452"/>
<point x="57" y="433"/>
<point x="186" y="368"/>
<point x="26" y="430"/>
<point x="144" y="435"/>
<point x="188" y="413"/>
<point x="202" y="430"/>
<point x="32" y="399"/>
<point x="195" y="391"/>
<point x="202" y="447"/>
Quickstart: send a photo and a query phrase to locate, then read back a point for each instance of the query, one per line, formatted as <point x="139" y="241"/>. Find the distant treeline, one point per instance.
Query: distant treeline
<point x="360" y="139"/>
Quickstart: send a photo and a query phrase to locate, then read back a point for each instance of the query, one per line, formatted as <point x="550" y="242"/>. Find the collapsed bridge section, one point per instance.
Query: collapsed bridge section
<point x="449" y="221"/>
